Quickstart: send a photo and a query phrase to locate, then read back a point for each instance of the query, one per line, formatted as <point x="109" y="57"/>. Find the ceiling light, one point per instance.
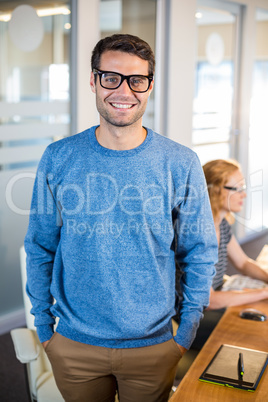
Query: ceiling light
<point x="43" y="12"/>
<point x="198" y="15"/>
<point x="5" y="17"/>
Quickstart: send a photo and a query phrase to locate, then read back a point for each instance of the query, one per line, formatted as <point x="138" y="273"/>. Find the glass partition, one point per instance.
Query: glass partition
<point x="34" y="111"/>
<point x="34" y="80"/>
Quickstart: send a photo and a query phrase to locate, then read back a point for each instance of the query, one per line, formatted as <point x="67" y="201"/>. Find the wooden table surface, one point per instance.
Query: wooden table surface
<point x="232" y="330"/>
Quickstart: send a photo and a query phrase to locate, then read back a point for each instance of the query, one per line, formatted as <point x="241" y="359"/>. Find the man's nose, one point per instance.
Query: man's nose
<point x="124" y="88"/>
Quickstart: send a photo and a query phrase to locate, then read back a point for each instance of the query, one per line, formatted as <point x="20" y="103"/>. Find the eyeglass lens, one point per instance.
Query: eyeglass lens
<point x="236" y="189"/>
<point x="136" y="82"/>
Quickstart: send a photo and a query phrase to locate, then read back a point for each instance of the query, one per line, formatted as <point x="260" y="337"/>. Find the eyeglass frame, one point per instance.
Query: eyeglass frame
<point x="150" y="78"/>
<point x="236" y="189"/>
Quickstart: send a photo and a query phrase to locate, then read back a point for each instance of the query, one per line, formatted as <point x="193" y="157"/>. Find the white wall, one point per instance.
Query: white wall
<point x="182" y="50"/>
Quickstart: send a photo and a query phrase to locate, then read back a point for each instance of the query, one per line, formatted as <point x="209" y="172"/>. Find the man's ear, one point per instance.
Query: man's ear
<point x="92" y="82"/>
<point x="151" y="87"/>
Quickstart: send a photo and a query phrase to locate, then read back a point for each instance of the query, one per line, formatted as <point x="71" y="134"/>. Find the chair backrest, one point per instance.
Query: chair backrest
<point x="41" y="381"/>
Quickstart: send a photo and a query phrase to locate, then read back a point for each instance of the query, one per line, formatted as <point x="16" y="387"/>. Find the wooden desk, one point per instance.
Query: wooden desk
<point x="232" y="330"/>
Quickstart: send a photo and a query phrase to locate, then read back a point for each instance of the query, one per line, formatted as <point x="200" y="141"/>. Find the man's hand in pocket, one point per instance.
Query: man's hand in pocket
<point x="45" y="344"/>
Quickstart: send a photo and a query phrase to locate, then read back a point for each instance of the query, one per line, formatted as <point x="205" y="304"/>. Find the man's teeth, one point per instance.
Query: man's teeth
<point x="121" y="106"/>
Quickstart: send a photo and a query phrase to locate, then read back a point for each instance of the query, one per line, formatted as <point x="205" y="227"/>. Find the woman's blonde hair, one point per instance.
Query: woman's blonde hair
<point x="217" y="173"/>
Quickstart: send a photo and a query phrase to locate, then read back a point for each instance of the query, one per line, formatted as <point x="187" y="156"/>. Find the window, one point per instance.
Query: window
<point x="257" y="211"/>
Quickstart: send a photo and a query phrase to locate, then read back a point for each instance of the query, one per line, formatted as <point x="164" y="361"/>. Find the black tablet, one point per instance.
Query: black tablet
<point x="236" y="367"/>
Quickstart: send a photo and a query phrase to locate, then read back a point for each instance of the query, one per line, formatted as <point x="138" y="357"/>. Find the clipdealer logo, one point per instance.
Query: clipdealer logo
<point x="100" y="194"/>
<point x="131" y="199"/>
<point x="114" y="228"/>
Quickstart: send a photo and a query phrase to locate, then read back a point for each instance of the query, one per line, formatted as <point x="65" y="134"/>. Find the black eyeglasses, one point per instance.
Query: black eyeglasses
<point x="236" y="189"/>
<point x="111" y="80"/>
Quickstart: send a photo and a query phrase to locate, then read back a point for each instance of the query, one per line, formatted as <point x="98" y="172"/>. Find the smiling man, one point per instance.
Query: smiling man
<point x="110" y="228"/>
<point x="121" y="110"/>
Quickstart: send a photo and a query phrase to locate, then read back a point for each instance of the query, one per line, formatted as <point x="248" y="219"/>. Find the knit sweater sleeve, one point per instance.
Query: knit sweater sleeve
<point x="196" y="252"/>
<point x="41" y="243"/>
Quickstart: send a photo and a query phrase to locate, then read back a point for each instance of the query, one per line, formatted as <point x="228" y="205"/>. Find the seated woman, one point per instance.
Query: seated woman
<point x="227" y="190"/>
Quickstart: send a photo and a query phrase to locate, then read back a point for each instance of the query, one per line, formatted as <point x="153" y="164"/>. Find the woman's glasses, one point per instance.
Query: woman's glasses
<point x="236" y="189"/>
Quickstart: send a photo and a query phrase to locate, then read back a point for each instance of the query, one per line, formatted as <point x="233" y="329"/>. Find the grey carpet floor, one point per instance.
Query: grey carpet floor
<point x="12" y="378"/>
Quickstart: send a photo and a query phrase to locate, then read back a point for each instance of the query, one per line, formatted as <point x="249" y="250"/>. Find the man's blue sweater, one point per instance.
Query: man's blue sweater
<point x="107" y="231"/>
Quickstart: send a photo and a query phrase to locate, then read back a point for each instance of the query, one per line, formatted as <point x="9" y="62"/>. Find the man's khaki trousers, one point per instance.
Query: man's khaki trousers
<point x="86" y="373"/>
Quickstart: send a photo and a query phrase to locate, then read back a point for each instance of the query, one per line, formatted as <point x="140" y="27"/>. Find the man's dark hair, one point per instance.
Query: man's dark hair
<point x="123" y="43"/>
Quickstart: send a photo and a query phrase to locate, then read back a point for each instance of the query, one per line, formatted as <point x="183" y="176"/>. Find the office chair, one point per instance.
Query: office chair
<point x="29" y="351"/>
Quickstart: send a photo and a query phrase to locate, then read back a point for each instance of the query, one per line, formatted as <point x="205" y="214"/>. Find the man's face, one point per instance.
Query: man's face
<point x="121" y="107"/>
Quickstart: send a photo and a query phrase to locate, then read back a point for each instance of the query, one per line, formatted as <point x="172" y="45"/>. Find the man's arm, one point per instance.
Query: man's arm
<point x="196" y="253"/>
<point x="41" y="243"/>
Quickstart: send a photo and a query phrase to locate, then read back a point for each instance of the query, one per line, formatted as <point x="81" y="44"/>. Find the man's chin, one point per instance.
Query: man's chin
<point x="121" y="123"/>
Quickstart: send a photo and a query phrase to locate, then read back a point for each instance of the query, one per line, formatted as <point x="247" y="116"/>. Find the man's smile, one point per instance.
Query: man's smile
<point x="122" y="105"/>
